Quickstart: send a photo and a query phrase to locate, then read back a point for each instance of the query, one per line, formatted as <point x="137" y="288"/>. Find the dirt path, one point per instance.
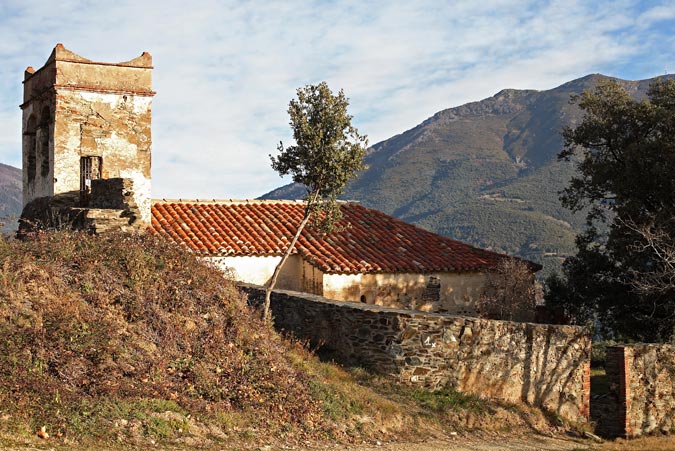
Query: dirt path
<point x="530" y="443"/>
<point x="525" y="443"/>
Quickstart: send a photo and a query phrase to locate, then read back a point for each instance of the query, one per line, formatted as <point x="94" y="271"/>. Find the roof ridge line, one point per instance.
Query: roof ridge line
<point x="240" y="201"/>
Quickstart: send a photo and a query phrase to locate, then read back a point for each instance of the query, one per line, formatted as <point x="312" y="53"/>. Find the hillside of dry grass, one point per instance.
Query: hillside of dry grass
<point x="104" y="330"/>
<point x="126" y="340"/>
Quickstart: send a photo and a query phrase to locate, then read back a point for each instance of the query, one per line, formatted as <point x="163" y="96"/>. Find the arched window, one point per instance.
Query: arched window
<point x="31" y="157"/>
<point x="363" y="298"/>
<point x="43" y="142"/>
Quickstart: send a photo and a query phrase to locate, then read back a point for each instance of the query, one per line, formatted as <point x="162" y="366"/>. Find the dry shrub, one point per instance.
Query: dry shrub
<point x="87" y="319"/>
<point x="510" y="292"/>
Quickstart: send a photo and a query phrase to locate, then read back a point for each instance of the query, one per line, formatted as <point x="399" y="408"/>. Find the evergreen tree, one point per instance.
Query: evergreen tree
<point x="624" y="277"/>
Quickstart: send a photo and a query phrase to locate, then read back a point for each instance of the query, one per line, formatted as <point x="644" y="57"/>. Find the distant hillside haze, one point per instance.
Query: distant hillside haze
<point x="485" y="172"/>
<point x="10" y="196"/>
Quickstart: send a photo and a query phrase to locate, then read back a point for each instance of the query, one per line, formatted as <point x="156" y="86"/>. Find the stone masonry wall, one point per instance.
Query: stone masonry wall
<point x="543" y="365"/>
<point x="113" y="207"/>
<point x="641" y="380"/>
<point x="85" y="120"/>
<point x="119" y="194"/>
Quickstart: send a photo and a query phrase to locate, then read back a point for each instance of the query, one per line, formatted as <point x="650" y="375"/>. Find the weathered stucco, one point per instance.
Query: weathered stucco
<point x="433" y="292"/>
<point x="76" y="109"/>
<point x="436" y="292"/>
<point x="545" y="365"/>
<point x="258" y="270"/>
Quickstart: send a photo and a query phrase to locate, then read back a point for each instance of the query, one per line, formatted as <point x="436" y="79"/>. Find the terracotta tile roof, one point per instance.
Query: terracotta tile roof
<point x="372" y="243"/>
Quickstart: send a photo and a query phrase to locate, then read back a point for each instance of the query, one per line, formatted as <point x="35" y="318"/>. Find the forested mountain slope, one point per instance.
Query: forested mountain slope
<point x="485" y="172"/>
<point x="10" y="196"/>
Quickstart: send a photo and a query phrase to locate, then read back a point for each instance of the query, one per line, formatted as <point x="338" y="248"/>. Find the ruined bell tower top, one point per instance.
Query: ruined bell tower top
<point x="85" y="120"/>
<point x="64" y="69"/>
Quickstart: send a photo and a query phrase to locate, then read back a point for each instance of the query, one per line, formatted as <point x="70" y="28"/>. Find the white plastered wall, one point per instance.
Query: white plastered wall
<point x="259" y="269"/>
<point x="457" y="293"/>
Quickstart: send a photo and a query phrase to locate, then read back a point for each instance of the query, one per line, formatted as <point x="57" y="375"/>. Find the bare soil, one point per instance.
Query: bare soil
<point x="525" y="443"/>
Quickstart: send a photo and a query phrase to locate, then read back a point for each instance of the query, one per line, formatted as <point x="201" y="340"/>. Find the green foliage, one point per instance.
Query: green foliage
<point x="446" y="399"/>
<point x="626" y="179"/>
<point x="328" y="150"/>
<point x="328" y="153"/>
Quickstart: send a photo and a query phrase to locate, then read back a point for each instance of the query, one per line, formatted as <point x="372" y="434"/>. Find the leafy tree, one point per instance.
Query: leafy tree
<point x="327" y="154"/>
<point x="622" y="277"/>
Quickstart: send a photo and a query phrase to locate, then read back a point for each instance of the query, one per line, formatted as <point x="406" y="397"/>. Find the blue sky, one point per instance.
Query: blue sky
<point x="225" y="70"/>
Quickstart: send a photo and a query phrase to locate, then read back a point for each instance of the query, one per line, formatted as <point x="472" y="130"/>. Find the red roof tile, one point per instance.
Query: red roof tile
<point x="371" y="242"/>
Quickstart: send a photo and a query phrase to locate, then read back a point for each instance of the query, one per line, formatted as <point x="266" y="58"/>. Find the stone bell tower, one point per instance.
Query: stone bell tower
<point x="83" y="121"/>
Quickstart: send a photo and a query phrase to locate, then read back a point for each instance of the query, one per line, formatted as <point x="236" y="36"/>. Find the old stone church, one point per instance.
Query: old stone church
<point x="87" y="160"/>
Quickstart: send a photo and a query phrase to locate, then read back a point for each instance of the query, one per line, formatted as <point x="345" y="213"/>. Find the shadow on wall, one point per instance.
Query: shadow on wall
<point x="544" y="365"/>
<point x="640" y="381"/>
<point x="552" y="363"/>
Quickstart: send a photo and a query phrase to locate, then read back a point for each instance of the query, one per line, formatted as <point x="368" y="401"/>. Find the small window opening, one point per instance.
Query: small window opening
<point x="44" y="151"/>
<point x="363" y="298"/>
<point x="90" y="169"/>
<point x="32" y="157"/>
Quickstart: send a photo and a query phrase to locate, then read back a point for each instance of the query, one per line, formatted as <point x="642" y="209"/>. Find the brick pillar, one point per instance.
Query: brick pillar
<point x="585" y="410"/>
<point x="624" y="387"/>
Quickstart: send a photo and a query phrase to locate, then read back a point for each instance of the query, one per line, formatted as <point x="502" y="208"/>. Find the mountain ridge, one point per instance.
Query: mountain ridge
<point x="11" y="197"/>
<point x="485" y="172"/>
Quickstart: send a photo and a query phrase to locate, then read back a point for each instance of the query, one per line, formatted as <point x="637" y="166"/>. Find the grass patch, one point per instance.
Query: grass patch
<point x="446" y="399"/>
<point x="599" y="381"/>
<point x="336" y="404"/>
<point x="356" y="408"/>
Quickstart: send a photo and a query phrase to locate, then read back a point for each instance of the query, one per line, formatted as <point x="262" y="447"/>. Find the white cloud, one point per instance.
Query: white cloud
<point x="658" y="13"/>
<point x="225" y="71"/>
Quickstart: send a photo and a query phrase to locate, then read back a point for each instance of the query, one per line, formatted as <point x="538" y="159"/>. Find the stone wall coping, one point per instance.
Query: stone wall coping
<point x="620" y="346"/>
<point x="405" y="313"/>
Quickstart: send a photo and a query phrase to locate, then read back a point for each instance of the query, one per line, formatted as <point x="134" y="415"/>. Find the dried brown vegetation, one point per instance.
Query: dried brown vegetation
<point x="510" y="292"/>
<point x="125" y="340"/>
<point x="98" y="329"/>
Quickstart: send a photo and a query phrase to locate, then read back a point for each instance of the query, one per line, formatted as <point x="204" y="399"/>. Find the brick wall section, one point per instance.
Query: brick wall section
<point x="544" y="365"/>
<point x="586" y="402"/>
<point x="642" y="381"/>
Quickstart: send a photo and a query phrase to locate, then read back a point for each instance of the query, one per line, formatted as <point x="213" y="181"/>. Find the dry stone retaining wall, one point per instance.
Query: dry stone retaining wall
<point x="113" y="206"/>
<point x="642" y="383"/>
<point x="544" y="365"/>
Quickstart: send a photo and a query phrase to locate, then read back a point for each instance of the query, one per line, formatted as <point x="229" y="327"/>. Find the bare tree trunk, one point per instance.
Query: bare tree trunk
<point x="291" y="246"/>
